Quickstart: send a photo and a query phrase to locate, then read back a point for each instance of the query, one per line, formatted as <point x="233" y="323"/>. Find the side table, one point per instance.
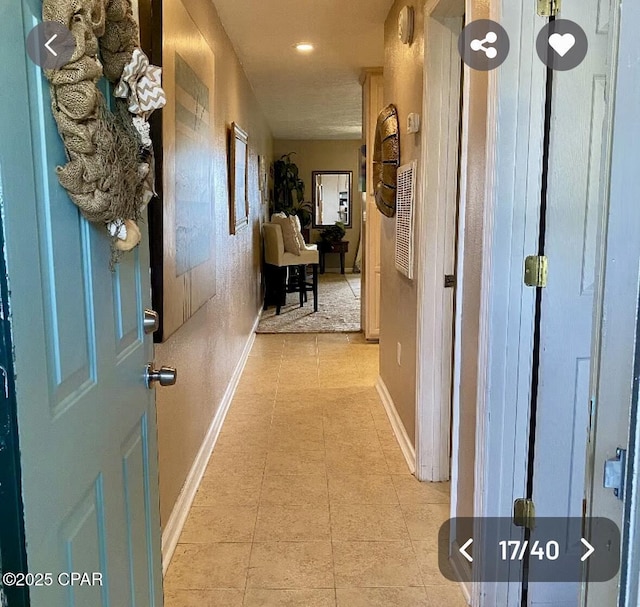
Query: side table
<point x="341" y="248"/>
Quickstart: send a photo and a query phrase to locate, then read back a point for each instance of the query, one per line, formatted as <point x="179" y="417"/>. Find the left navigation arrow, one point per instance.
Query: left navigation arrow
<point x="463" y="550"/>
<point x="51" y="45"/>
<point x="48" y="45"/>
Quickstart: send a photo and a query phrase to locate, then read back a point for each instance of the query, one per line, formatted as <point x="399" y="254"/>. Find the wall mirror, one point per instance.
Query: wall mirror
<point x="331" y="198"/>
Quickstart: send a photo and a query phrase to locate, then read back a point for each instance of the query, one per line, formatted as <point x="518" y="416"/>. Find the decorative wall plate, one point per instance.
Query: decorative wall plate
<point x="405" y="24"/>
<point x="386" y="159"/>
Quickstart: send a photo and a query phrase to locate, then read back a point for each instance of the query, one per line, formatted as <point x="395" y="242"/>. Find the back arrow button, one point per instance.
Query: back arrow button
<point x="463" y="550"/>
<point x="51" y="45"/>
<point x="48" y="45"/>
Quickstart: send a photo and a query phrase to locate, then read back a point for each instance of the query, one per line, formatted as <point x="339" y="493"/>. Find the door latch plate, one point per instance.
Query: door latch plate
<point x="615" y="473"/>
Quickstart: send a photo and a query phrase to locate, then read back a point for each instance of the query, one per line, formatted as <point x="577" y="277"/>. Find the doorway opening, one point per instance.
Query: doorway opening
<point x="439" y="227"/>
<point x="437" y="224"/>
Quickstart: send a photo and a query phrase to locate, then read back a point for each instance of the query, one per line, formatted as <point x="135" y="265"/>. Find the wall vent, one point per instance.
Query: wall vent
<point x="405" y="199"/>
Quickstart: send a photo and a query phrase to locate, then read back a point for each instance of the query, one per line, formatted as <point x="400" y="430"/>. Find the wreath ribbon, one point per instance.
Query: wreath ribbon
<point x="141" y="85"/>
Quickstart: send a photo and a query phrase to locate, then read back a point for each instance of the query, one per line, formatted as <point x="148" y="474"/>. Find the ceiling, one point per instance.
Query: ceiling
<point x="315" y="95"/>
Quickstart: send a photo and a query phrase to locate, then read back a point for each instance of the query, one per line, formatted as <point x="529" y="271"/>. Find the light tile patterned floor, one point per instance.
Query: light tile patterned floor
<point x="307" y="500"/>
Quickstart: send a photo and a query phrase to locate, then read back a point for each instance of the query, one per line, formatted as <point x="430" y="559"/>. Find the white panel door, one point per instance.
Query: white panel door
<point x="578" y="168"/>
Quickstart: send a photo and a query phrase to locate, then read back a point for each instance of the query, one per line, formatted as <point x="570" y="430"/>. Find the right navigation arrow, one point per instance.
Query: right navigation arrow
<point x="589" y="552"/>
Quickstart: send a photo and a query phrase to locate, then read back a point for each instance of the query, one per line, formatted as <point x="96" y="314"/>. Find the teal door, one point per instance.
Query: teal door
<point x="86" y="420"/>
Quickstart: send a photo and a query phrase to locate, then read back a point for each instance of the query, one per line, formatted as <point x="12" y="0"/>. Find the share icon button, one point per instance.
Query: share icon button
<point x="484" y="45"/>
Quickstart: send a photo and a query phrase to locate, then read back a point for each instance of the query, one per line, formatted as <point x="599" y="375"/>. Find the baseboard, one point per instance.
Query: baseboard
<point x="461" y="569"/>
<point x="175" y="524"/>
<point x="338" y="271"/>
<point x="402" y="437"/>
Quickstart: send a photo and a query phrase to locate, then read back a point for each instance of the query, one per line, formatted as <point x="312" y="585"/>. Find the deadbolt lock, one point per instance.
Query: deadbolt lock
<point x="151" y="321"/>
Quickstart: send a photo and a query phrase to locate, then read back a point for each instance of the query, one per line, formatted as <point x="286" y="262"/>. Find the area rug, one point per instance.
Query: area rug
<point x="338" y="309"/>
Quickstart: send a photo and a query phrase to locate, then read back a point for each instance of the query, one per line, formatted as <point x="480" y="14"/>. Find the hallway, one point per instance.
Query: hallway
<point x="307" y="500"/>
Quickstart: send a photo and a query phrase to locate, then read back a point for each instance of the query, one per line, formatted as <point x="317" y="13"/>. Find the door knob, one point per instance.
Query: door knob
<point x="165" y="376"/>
<point x="151" y="321"/>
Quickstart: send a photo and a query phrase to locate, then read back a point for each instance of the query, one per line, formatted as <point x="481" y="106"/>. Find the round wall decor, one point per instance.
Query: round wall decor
<point x="386" y="159"/>
<point x="405" y="24"/>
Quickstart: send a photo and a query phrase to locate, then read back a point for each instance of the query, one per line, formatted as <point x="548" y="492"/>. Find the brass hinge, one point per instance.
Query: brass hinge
<point x="549" y="8"/>
<point x="524" y="513"/>
<point x="536" y="271"/>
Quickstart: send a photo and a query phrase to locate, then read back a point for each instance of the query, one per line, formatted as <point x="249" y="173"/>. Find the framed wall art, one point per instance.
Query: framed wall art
<point x="184" y="238"/>
<point x="263" y="183"/>
<point x="238" y="179"/>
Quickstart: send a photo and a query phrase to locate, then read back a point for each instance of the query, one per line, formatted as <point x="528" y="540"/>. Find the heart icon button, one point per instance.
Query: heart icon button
<point x="562" y="43"/>
<point x="568" y="41"/>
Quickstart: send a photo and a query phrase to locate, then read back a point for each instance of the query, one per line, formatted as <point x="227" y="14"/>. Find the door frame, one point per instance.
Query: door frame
<point x="440" y="155"/>
<point x="13" y="548"/>
<point x="615" y="384"/>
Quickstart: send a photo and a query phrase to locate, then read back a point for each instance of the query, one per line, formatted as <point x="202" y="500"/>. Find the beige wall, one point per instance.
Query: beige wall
<point x="403" y="82"/>
<point x="208" y="346"/>
<point x="328" y="156"/>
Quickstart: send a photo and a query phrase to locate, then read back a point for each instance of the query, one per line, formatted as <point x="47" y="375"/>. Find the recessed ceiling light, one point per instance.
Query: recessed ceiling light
<point x="304" y="47"/>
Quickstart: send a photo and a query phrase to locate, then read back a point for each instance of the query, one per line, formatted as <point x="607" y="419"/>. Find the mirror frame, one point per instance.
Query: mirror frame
<point x="318" y="226"/>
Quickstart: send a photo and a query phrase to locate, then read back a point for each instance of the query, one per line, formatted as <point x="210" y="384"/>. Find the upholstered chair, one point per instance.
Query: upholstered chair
<point x="281" y="261"/>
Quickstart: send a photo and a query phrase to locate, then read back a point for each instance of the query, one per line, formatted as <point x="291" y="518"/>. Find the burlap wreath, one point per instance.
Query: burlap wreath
<point x="109" y="166"/>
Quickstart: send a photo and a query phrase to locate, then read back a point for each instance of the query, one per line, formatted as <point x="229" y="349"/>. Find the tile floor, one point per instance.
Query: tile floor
<point x="307" y="500"/>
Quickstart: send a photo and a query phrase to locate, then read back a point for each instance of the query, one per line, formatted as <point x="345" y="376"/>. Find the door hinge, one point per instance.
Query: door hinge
<point x="549" y="8"/>
<point x="615" y="473"/>
<point x="536" y="271"/>
<point x="524" y="513"/>
<point x="449" y="281"/>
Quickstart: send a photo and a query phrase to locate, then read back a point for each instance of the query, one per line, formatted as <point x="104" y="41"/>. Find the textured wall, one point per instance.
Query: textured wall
<point x="208" y="346"/>
<point x="403" y="82"/>
<point x="328" y="156"/>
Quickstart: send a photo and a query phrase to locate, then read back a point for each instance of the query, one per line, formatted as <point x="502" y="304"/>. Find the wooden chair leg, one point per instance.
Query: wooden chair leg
<point x="315" y="287"/>
<point x="304" y="274"/>
<point x="301" y="285"/>
<point x="282" y="295"/>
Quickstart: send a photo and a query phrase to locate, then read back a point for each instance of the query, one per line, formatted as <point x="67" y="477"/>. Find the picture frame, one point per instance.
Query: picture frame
<point x="362" y="163"/>
<point x="238" y="179"/>
<point x="183" y="236"/>
<point x="262" y="172"/>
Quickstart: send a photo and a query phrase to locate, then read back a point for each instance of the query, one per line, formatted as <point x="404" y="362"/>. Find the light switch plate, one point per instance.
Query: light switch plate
<point x="413" y="123"/>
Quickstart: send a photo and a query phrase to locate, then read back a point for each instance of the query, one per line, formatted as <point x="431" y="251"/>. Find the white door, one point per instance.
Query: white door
<point x="571" y="226"/>
<point x="617" y="363"/>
